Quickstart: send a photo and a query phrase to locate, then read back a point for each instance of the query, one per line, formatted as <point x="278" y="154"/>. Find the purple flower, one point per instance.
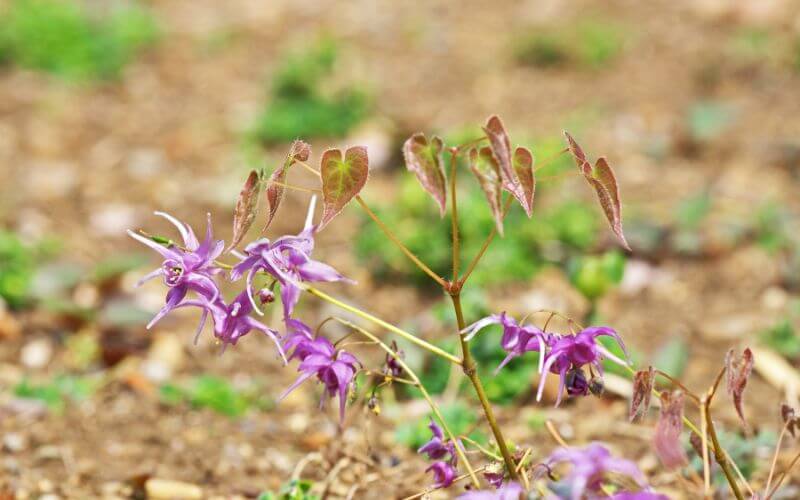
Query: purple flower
<point x="288" y="260"/>
<point x="511" y="491"/>
<point x="573" y="352"/>
<point x="335" y="369"/>
<point x="184" y="269"/>
<point x="495" y="475"/>
<point x="590" y="465"/>
<point x="233" y="321"/>
<point x="443" y="474"/>
<point x="436" y="448"/>
<point x="516" y="341"/>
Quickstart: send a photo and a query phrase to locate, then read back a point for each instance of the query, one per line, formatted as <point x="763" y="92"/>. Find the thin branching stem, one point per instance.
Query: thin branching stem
<point x="394" y="239"/>
<point x="415" y="379"/>
<point x="454" y="213"/>
<point x="488" y="241"/>
<point x="388" y="326"/>
<point x="775" y="457"/>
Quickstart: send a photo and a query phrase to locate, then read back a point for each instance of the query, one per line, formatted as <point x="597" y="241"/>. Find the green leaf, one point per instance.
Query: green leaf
<point x="342" y="179"/>
<point x="671" y="358"/>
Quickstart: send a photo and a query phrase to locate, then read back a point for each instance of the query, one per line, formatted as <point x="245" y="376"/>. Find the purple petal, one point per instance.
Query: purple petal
<point x="166" y="252"/>
<point x="189" y="239"/>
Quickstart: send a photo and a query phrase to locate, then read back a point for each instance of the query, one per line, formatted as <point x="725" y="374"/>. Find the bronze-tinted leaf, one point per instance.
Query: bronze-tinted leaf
<point x="604" y="183"/>
<point x="667" y="438"/>
<point x="484" y="165"/>
<point x="246" y="208"/>
<point x="342" y="179"/>
<point x="501" y="149"/>
<point x="425" y="160"/>
<point x="299" y="151"/>
<point x="522" y="163"/>
<point x="577" y="154"/>
<point x="642" y="390"/>
<point x="737" y="371"/>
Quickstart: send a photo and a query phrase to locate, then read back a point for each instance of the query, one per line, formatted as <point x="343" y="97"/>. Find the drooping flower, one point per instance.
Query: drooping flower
<point x="288" y="260"/>
<point x="393" y="366"/>
<point x="509" y="491"/>
<point x="443" y="474"/>
<point x="590" y="467"/>
<point x="189" y="268"/>
<point x="516" y="340"/>
<point x="232" y="322"/>
<point x="334" y="368"/>
<point x="494" y="474"/>
<point x="436" y="448"/>
<point x="572" y="352"/>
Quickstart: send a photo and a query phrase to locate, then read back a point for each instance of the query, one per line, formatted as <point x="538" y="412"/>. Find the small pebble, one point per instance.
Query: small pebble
<point x="169" y="489"/>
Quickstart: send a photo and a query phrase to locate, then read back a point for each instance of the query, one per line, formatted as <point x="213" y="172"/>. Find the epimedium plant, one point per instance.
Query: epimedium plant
<point x="284" y="267"/>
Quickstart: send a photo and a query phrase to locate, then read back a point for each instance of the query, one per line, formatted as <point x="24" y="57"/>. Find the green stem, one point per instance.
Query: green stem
<point x="470" y="370"/>
<point x="418" y="384"/>
<point x="389" y="234"/>
<point x="374" y="319"/>
<point x="454" y="213"/>
<point x="486" y="243"/>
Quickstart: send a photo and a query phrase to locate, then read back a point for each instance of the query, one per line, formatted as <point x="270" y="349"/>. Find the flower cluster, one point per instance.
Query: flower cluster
<point x="193" y="267"/>
<point x="564" y="355"/>
<point x="444" y="452"/>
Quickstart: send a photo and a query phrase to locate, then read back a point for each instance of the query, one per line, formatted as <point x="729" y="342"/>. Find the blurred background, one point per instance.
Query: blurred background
<point x="110" y="110"/>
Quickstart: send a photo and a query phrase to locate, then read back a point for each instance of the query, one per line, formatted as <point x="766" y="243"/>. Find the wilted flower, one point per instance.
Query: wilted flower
<point x="334" y="368"/>
<point x="667" y="438"/>
<point x="494" y="474"/>
<point x="189" y="268"/>
<point x="443" y="474"/>
<point x="393" y="367"/>
<point x="516" y="341"/>
<point x="510" y="491"/>
<point x="737" y="371"/>
<point x="590" y="465"/>
<point x="436" y="448"/>
<point x="573" y="352"/>
<point x="643" y="382"/>
<point x="288" y="260"/>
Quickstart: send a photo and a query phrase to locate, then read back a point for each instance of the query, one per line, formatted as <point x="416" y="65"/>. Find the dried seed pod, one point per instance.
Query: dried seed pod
<point x="737" y="371"/>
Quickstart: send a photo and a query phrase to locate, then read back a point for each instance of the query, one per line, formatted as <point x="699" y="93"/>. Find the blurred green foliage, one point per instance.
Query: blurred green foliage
<point x="554" y="234"/>
<point x="594" y="275"/>
<point x="215" y="393"/>
<point x="296" y="489"/>
<point x="459" y="419"/>
<point x="708" y="119"/>
<point x="65" y="39"/>
<point x="16" y="269"/>
<point x="591" y="43"/>
<point x="782" y="338"/>
<point x="746" y="452"/>
<point x="56" y="392"/>
<point x="302" y="103"/>
<point x="672" y="357"/>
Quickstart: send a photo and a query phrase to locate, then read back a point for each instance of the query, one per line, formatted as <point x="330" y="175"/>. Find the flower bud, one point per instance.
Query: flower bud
<point x="266" y="296"/>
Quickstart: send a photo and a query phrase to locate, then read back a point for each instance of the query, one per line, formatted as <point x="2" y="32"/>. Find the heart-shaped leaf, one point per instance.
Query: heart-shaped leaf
<point x="501" y="149"/>
<point x="246" y="207"/>
<point x="299" y="151"/>
<point x="484" y="165"/>
<point x="604" y="183"/>
<point x="425" y="160"/>
<point x="342" y="179"/>
<point x="522" y="163"/>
